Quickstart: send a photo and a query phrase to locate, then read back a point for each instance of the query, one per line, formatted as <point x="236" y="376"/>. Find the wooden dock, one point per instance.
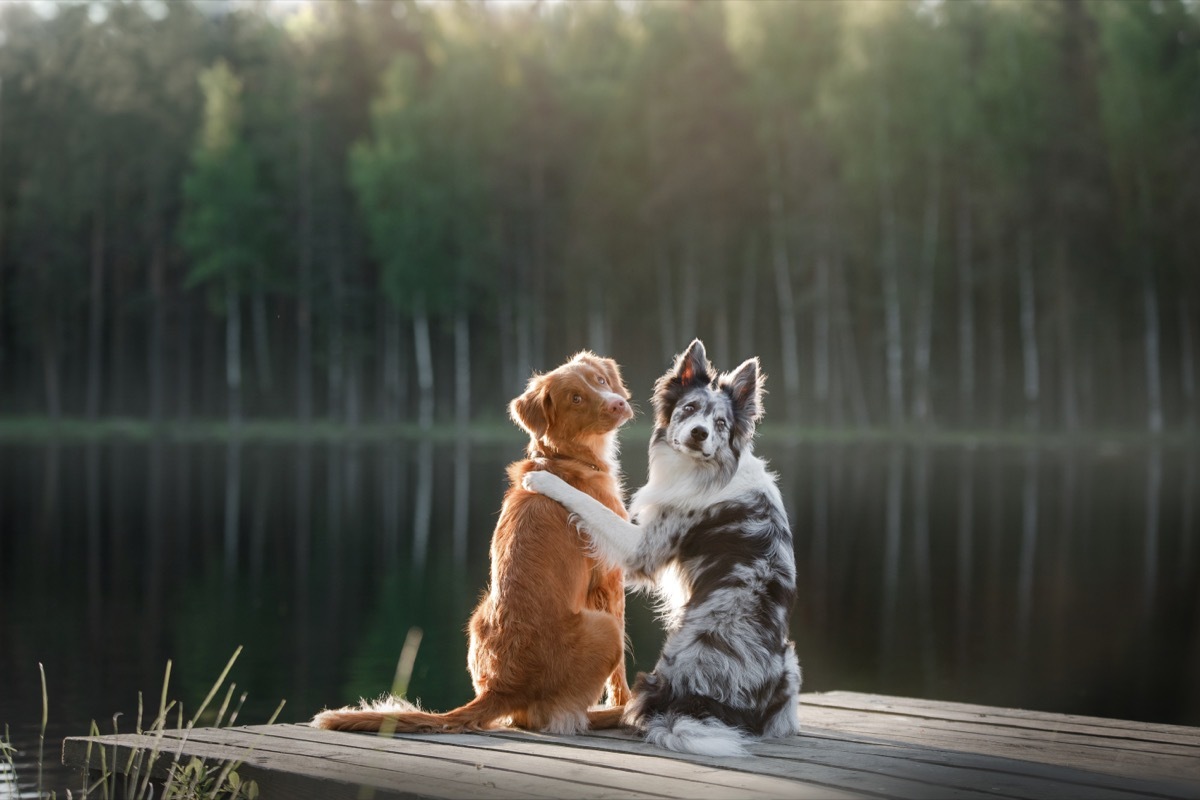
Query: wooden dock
<point x="852" y="745"/>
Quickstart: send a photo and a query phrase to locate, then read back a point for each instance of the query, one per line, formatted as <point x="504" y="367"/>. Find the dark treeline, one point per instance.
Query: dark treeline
<point x="966" y="213"/>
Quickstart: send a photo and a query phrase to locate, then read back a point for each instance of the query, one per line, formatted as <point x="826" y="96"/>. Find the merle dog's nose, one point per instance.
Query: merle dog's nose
<point x="699" y="434"/>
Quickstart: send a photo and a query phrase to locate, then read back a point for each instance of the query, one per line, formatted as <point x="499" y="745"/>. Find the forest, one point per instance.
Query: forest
<point x="980" y="214"/>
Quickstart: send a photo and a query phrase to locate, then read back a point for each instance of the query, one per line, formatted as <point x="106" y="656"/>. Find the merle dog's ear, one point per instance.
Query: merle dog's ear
<point x="692" y="368"/>
<point x="745" y="387"/>
<point x="530" y="410"/>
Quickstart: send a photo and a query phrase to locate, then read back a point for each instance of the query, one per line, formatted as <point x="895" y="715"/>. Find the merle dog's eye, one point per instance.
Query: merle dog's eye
<point x="576" y="399"/>
<point x="689" y="407"/>
<point x="721" y="424"/>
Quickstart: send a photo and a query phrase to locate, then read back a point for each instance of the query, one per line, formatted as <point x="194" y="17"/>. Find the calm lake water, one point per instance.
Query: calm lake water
<point x="1055" y="579"/>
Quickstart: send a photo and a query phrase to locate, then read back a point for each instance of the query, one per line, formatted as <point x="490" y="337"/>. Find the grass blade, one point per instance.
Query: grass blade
<point x="212" y="692"/>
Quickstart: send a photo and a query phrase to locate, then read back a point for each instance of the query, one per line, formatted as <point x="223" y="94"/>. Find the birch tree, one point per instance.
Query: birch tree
<point x="222" y="226"/>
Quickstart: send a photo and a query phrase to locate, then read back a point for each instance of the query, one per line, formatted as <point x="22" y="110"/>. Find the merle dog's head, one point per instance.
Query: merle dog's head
<point x="708" y="416"/>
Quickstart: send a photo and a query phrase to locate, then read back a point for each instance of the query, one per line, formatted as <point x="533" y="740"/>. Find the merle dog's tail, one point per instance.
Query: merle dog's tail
<point x="707" y="737"/>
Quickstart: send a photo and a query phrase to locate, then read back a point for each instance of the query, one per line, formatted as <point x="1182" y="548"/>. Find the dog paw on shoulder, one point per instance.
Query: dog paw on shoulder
<point x="540" y="482"/>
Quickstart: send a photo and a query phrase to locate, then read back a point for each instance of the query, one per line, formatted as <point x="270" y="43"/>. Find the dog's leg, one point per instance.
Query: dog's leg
<point x="616" y="541"/>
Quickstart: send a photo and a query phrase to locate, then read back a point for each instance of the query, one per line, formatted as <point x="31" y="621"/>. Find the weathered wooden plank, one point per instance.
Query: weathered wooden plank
<point x="1061" y="749"/>
<point x="1145" y="731"/>
<point x="648" y="769"/>
<point x="1091" y="784"/>
<point x="847" y="777"/>
<point x="1046" y="734"/>
<point x="298" y="778"/>
<point x="404" y="759"/>
<point x="851" y="746"/>
<point x="931" y="772"/>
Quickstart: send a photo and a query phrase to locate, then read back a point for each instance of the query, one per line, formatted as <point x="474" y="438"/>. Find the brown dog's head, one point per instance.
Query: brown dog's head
<point x="581" y="399"/>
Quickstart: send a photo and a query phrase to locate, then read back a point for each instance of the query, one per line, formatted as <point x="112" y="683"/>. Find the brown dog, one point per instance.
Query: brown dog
<point x="549" y="635"/>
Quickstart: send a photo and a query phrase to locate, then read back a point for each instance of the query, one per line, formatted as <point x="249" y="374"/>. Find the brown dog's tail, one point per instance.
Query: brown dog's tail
<point x="601" y="718"/>
<point x="401" y="716"/>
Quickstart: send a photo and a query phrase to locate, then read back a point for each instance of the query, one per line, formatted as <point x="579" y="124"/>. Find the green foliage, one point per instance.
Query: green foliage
<point x="553" y="170"/>
<point x="223" y="227"/>
<point x="200" y="780"/>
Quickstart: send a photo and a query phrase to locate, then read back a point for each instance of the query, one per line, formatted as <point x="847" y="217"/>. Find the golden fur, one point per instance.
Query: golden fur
<point x="549" y="635"/>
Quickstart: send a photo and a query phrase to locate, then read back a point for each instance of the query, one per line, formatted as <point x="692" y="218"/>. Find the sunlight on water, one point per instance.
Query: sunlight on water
<point x="10" y="789"/>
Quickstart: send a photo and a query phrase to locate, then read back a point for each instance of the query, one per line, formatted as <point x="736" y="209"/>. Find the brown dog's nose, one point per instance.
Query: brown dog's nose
<point x="616" y="406"/>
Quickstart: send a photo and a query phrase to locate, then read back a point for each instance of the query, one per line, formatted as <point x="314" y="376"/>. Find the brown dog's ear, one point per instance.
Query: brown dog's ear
<point x="529" y="410"/>
<point x="613" y="373"/>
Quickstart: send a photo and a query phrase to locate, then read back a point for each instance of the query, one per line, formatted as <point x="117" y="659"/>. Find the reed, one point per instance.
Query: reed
<point x="142" y="776"/>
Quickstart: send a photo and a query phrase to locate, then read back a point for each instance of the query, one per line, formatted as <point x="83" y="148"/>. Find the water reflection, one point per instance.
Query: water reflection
<point x="965" y="553"/>
<point x="1028" y="552"/>
<point x="1056" y="579"/>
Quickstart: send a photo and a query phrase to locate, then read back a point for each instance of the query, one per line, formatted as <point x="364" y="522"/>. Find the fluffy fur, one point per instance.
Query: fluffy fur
<point x="709" y="533"/>
<point x="548" y="637"/>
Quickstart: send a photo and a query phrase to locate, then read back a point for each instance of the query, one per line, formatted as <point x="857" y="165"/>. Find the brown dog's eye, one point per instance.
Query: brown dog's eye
<point x="602" y="381"/>
<point x="576" y="399"/>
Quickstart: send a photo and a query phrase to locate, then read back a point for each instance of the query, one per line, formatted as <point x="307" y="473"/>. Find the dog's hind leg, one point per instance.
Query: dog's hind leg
<point x="617" y="686"/>
<point x="596" y="644"/>
<point x="603" y="718"/>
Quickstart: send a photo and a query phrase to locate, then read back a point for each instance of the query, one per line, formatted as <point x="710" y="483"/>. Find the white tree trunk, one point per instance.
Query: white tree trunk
<point x="233" y="352"/>
<point x="183" y="375"/>
<point x="336" y="372"/>
<point x="1029" y="348"/>
<point x="262" y="345"/>
<point x="784" y="292"/>
<point x="688" y="291"/>
<point x="851" y="371"/>
<point x="304" y="290"/>
<point x="889" y="267"/>
<point x="393" y="374"/>
<point x="1154" y="403"/>
<point x="1187" y="363"/>
<point x="892" y="322"/>
<point x="966" y="315"/>
<point x="923" y="339"/>
<point x="158" y="325"/>
<point x="748" y="307"/>
<point x="462" y="368"/>
<point x="524" y="324"/>
<point x="424" y="356"/>
<point x="1066" y="340"/>
<point x="96" y="316"/>
<point x="997" y="312"/>
<point x="666" y="309"/>
<point x="597" y="332"/>
<point x="821" y="335"/>
<point x="721" y="335"/>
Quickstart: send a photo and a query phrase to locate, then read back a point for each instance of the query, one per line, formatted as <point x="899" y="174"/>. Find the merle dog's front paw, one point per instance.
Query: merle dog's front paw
<point x="542" y="482"/>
